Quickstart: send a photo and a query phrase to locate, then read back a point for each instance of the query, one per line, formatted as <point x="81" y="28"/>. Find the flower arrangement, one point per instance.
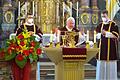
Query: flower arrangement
<point x="21" y="48"/>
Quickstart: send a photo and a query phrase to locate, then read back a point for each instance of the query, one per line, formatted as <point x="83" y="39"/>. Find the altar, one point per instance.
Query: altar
<point x="69" y="69"/>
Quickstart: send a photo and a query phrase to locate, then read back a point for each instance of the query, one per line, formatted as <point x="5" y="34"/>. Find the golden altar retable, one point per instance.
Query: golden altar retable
<point x="69" y="70"/>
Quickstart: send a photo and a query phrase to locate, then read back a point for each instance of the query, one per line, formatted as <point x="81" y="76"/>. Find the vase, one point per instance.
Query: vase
<point x="21" y="73"/>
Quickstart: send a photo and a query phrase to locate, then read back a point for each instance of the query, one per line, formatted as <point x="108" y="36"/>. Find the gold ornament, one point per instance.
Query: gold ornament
<point x="8" y="16"/>
<point x="94" y="18"/>
<point x="85" y="18"/>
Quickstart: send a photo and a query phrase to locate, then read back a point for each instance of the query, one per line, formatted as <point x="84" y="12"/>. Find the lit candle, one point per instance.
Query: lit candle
<point x="87" y="36"/>
<point x="51" y="37"/>
<point x="71" y="9"/>
<point x="77" y="9"/>
<point x="33" y="8"/>
<point x="63" y="14"/>
<point x="19" y="8"/>
<point x="94" y="36"/>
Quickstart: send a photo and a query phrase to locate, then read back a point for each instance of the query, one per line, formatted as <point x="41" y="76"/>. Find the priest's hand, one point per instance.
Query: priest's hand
<point x="103" y="32"/>
<point x="31" y="32"/>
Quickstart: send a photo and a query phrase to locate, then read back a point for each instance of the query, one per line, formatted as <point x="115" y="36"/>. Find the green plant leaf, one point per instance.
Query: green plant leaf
<point x="10" y="57"/>
<point x="22" y="63"/>
<point x="35" y="57"/>
<point x="37" y="45"/>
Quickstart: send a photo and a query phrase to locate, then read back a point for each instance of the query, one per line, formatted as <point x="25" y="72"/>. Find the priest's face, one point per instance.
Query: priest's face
<point x="30" y="19"/>
<point x="70" y="24"/>
<point x="104" y="17"/>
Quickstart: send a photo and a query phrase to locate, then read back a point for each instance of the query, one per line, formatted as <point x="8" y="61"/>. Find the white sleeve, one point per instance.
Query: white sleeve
<point x="98" y="36"/>
<point x="109" y="35"/>
<point x="37" y="38"/>
<point x="12" y="36"/>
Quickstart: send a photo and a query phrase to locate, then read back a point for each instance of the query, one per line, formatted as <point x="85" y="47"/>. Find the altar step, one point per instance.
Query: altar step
<point x="47" y="71"/>
<point x="90" y="71"/>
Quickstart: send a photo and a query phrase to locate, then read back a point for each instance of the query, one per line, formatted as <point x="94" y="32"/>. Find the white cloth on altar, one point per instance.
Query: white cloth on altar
<point x="106" y="70"/>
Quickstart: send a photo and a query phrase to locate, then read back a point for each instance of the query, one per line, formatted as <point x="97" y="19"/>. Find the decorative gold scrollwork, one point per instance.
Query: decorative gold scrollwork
<point x="94" y="18"/>
<point x="8" y="16"/>
<point x="85" y="18"/>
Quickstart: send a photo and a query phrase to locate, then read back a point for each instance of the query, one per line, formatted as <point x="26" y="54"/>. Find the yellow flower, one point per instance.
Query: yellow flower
<point x="26" y="35"/>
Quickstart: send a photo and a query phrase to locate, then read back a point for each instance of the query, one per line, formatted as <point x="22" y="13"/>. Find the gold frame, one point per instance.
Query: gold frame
<point x="11" y="16"/>
<point x="94" y="18"/>
<point x="82" y="18"/>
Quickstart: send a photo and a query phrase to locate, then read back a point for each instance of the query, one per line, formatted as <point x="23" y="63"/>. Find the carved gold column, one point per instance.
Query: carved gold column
<point x="47" y="12"/>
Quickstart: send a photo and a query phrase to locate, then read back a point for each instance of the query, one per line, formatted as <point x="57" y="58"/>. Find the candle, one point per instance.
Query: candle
<point x="94" y="36"/>
<point x="47" y="7"/>
<point x="36" y="9"/>
<point x="58" y="36"/>
<point x="63" y="14"/>
<point x="19" y="8"/>
<point x="77" y="23"/>
<point x="33" y="8"/>
<point x="26" y="8"/>
<point x="57" y="13"/>
<point x="71" y="9"/>
<point x="87" y="36"/>
<point x="51" y="36"/>
<point x="77" y="9"/>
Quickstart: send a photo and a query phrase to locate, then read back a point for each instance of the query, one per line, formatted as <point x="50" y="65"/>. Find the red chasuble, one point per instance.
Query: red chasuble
<point x="108" y="46"/>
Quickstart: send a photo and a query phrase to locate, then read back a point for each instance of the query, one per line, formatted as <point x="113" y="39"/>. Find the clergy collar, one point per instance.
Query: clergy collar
<point x="107" y="22"/>
<point x="29" y="24"/>
<point x="68" y="28"/>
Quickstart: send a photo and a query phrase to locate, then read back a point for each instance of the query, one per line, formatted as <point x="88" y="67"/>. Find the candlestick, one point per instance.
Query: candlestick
<point x="87" y="36"/>
<point x="94" y="36"/>
<point x="19" y="8"/>
<point x="33" y="8"/>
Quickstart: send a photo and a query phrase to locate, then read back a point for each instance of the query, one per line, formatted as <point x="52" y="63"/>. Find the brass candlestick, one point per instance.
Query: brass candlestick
<point x="58" y="45"/>
<point x="87" y="45"/>
<point x="95" y="45"/>
<point x="51" y="44"/>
